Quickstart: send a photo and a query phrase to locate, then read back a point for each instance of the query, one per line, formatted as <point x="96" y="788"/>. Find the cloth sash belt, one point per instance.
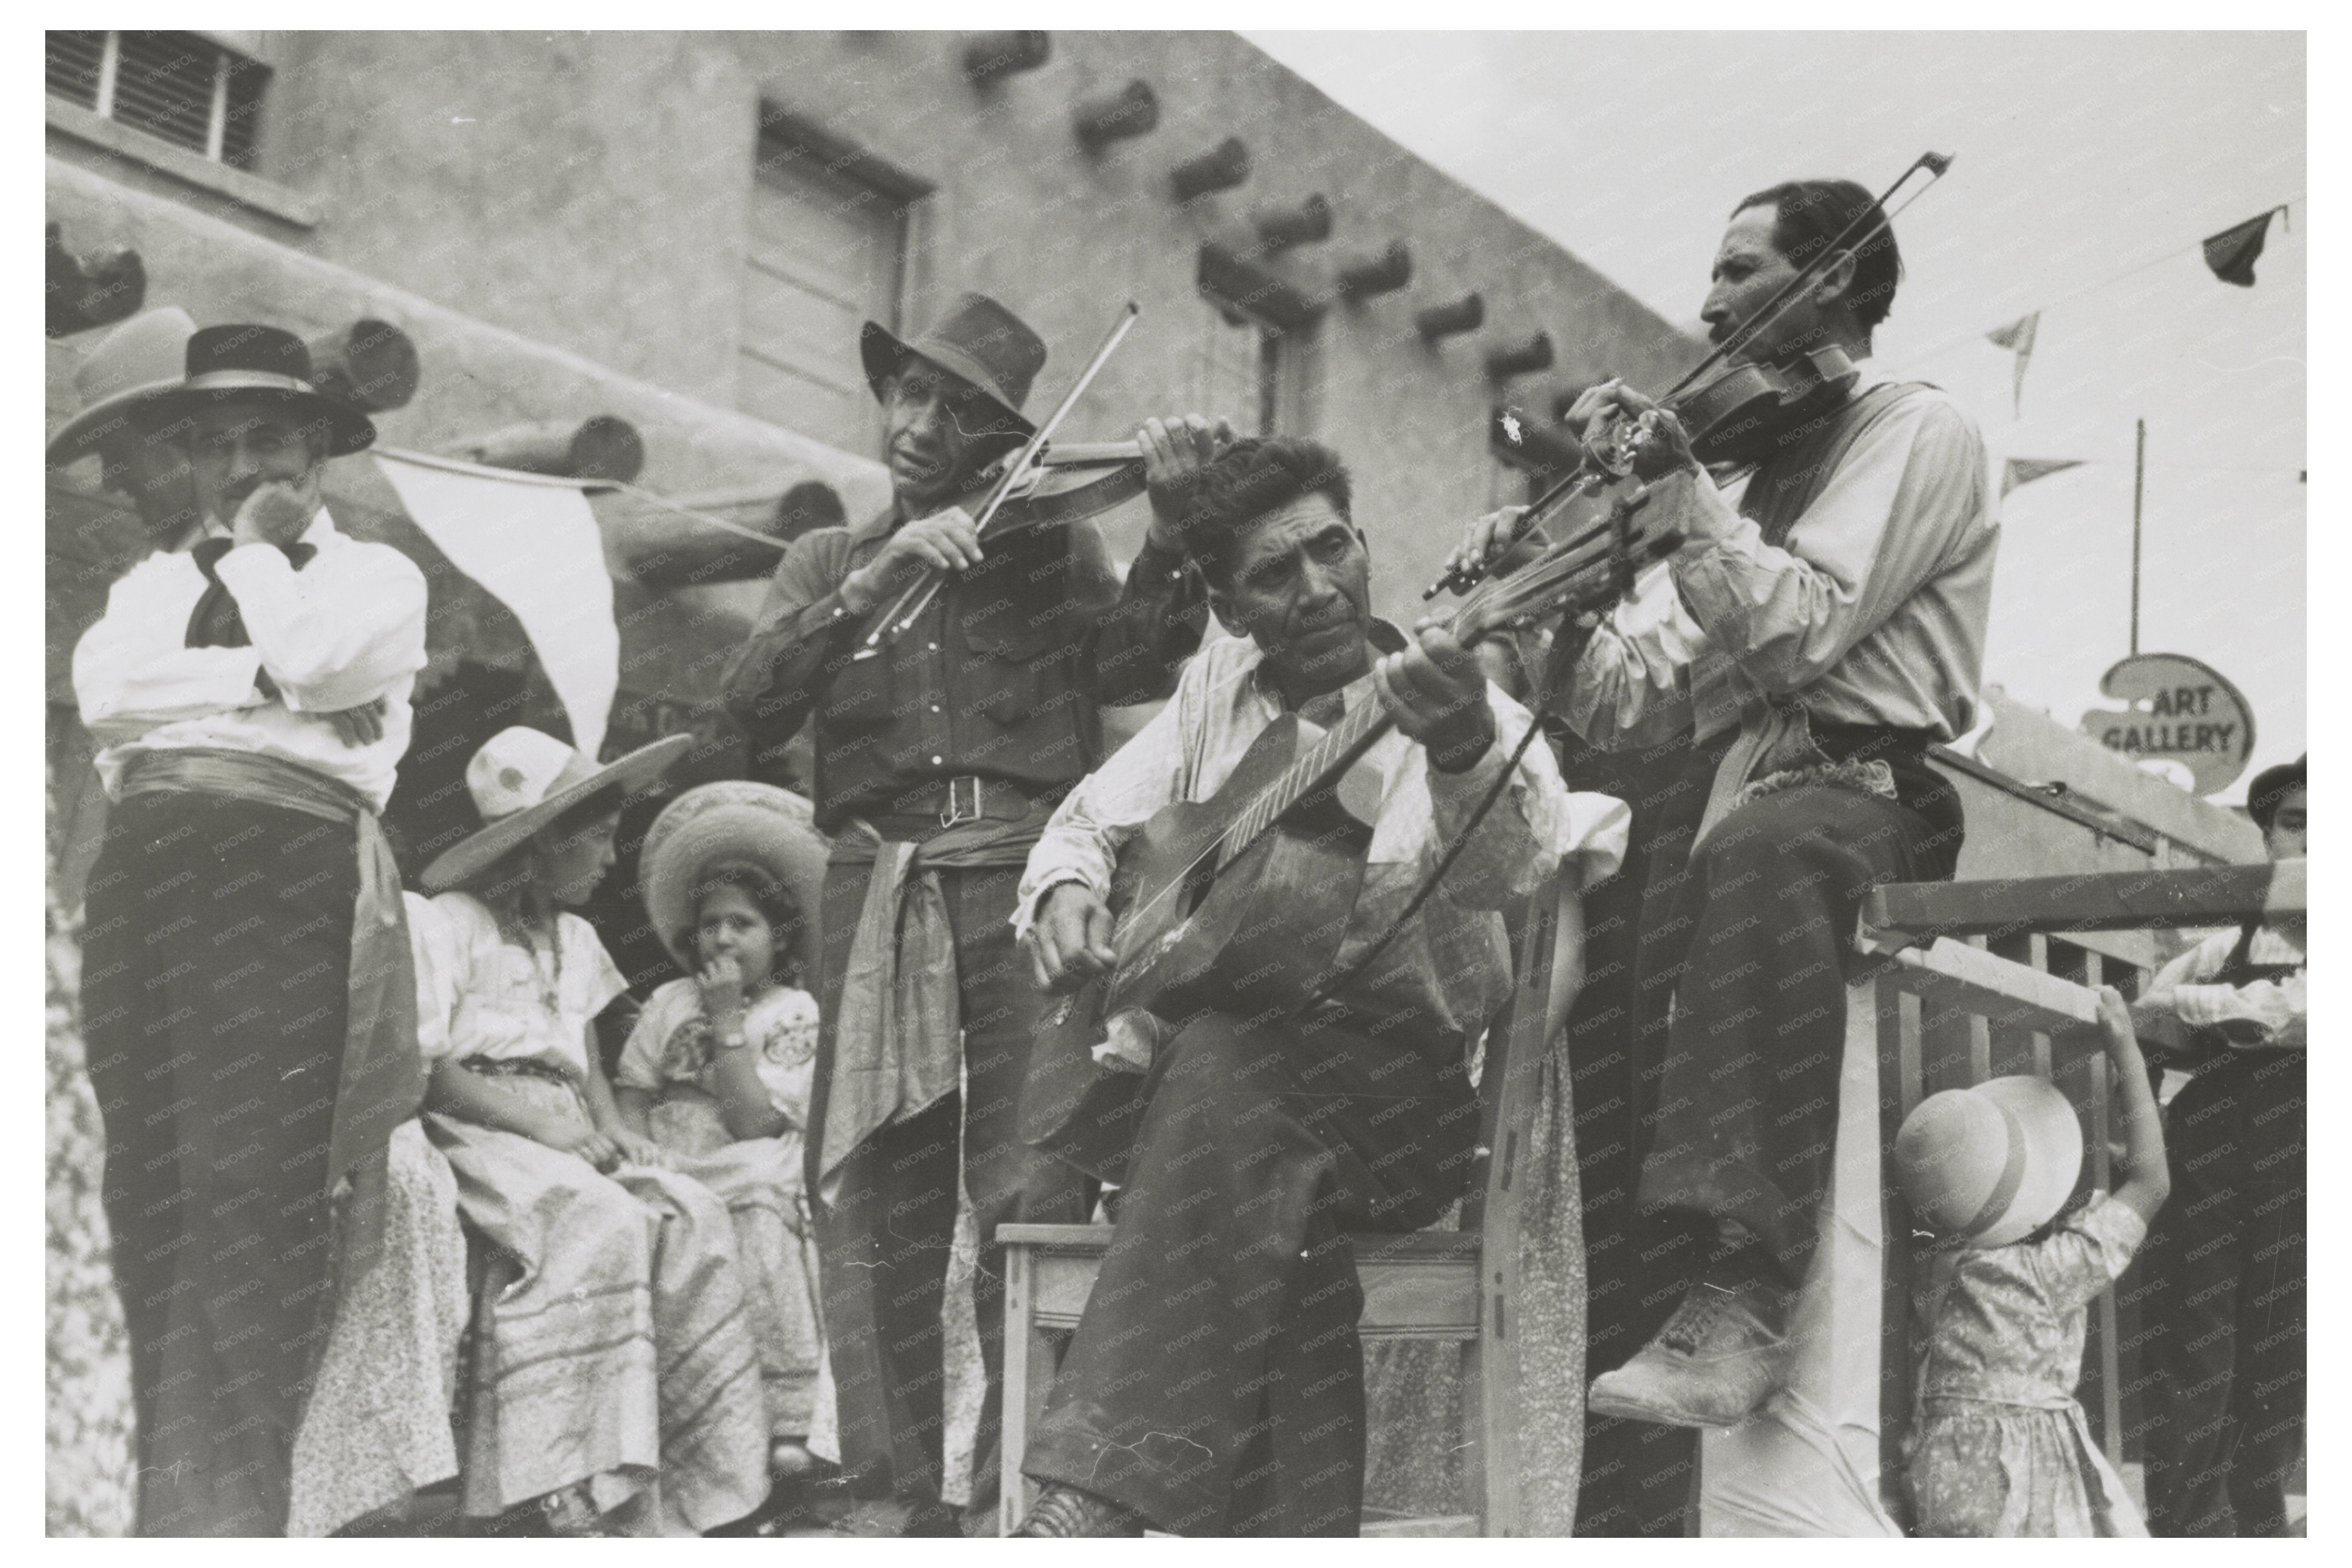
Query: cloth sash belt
<point x="897" y="1038"/>
<point x="1777" y="748"/>
<point x="382" y="1078"/>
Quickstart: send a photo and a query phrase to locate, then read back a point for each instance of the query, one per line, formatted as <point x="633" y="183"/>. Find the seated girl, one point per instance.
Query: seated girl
<point x="718" y="1069"/>
<point x="617" y="1354"/>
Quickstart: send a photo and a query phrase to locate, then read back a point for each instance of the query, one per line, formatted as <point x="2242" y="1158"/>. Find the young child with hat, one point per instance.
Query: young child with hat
<point x="617" y="1351"/>
<point x="717" y="1070"/>
<point x="2000" y="1446"/>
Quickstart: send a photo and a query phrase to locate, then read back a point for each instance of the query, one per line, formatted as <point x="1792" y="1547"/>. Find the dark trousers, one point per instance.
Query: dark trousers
<point x="1758" y="936"/>
<point x="215" y="957"/>
<point x="1215" y="1384"/>
<point x="2226" y="1302"/>
<point x="883" y="1243"/>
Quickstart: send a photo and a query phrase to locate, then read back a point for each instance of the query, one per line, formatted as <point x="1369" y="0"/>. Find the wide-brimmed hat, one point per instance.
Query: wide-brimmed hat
<point x="137" y="362"/>
<point x="2271" y="786"/>
<point x="521" y="780"/>
<point x="247" y="361"/>
<point x="1992" y="1164"/>
<point x="732" y="822"/>
<point x="979" y="340"/>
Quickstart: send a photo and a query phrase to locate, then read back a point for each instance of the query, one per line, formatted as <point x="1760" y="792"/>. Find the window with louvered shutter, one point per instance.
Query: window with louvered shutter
<point x="176" y="87"/>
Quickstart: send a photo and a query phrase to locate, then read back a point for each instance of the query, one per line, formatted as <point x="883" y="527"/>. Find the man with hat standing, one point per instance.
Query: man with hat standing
<point x="2225" y="1279"/>
<point x="247" y="987"/>
<point x="939" y="755"/>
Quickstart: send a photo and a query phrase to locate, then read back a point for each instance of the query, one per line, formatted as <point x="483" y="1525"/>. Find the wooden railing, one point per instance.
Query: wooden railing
<point x="1979" y="981"/>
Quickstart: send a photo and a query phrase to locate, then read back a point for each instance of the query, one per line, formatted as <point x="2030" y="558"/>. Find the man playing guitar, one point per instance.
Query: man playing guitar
<point x="1214" y="1384"/>
<point x="1823" y="624"/>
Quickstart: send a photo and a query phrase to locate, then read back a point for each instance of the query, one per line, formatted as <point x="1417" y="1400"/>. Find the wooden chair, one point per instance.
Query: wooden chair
<point x="1941" y="1010"/>
<point x="1458" y="1286"/>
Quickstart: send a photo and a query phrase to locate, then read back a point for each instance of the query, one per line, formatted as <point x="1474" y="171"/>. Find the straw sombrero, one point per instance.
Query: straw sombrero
<point x="733" y="821"/>
<point x="1993" y="1163"/>
<point x="521" y="780"/>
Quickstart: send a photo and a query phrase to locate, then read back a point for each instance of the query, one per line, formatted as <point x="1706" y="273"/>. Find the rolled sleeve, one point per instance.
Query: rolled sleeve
<point x="1109" y="806"/>
<point x="1896" y="508"/>
<point x="340" y="632"/>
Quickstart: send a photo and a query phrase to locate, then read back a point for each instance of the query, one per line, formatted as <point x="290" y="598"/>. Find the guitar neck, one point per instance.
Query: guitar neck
<point x="1331" y="754"/>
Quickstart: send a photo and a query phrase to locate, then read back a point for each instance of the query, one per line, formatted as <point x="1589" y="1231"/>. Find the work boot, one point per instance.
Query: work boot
<point x="1063" y="1513"/>
<point x="1720" y="1356"/>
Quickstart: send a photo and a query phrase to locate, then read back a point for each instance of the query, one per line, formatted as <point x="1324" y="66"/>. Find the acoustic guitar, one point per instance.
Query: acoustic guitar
<point x="1238" y="903"/>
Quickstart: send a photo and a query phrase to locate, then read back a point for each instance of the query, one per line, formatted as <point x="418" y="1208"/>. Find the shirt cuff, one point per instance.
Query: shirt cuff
<point x="1471" y="782"/>
<point x="254" y="566"/>
<point x="2202" y="1006"/>
<point x="1024" y="913"/>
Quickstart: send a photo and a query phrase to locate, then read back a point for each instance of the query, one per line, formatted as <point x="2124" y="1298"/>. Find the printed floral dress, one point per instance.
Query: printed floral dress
<point x="2001" y="1445"/>
<point x="668" y="1056"/>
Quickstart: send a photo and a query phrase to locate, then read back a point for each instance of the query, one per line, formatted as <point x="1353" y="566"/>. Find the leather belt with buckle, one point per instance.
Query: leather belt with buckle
<point x="965" y="798"/>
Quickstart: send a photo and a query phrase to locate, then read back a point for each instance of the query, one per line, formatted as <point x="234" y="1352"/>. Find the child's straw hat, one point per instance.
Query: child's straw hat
<point x="1993" y="1163"/>
<point x="734" y="820"/>
<point x="522" y="779"/>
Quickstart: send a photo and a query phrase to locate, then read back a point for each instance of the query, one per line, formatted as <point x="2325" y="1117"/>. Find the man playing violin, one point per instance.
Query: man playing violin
<point x="1823" y="627"/>
<point x="939" y="753"/>
<point x="1214" y="1383"/>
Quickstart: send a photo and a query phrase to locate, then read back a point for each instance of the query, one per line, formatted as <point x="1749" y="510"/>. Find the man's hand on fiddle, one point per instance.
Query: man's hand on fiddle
<point x="943" y="542"/>
<point x="359" y="726"/>
<point x="1436" y="693"/>
<point x="1174" y="449"/>
<point x="1070" y="942"/>
<point x="1612" y="414"/>
<point x="1483" y="543"/>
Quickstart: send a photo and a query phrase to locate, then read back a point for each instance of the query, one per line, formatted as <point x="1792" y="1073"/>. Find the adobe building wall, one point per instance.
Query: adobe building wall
<point x="590" y="193"/>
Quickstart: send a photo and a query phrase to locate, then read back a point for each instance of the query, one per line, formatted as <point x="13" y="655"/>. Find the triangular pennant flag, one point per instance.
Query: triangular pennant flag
<point x="2025" y="470"/>
<point x="2232" y="254"/>
<point x="537" y="547"/>
<point x="2018" y="338"/>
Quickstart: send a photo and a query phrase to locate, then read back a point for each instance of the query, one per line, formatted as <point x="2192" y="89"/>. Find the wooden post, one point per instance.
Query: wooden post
<point x="598" y="448"/>
<point x="2139" y="489"/>
<point x="370" y="364"/>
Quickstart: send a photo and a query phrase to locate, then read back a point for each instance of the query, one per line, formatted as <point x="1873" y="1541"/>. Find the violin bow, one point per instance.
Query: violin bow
<point x="1840" y="245"/>
<point x="920" y="595"/>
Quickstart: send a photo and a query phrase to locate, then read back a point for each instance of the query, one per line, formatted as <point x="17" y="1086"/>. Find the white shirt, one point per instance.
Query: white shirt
<point x="348" y="628"/>
<point x="1222" y="702"/>
<point x="2279" y="1008"/>
<point x="1872" y="612"/>
<point x="480" y="993"/>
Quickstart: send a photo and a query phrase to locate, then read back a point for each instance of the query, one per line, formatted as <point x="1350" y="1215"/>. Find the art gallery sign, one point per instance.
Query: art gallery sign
<point x="2176" y="709"/>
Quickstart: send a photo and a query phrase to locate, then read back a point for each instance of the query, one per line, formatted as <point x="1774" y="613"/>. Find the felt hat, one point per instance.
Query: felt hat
<point x="1992" y="1164"/>
<point x="978" y="340"/>
<point x="734" y="821"/>
<point x="247" y="361"/>
<point x="135" y="364"/>
<point x="521" y="780"/>
<point x="2271" y="785"/>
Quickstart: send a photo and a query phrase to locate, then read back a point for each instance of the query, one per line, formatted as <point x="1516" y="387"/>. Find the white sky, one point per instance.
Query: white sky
<point x="2079" y="156"/>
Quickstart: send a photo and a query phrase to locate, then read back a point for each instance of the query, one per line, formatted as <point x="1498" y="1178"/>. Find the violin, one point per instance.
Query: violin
<point x="1026" y="473"/>
<point x="1067" y="483"/>
<point x="1735" y="409"/>
<point x="1747" y="410"/>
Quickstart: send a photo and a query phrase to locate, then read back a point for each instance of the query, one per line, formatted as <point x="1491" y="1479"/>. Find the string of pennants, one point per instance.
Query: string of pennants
<point x="2229" y="256"/>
